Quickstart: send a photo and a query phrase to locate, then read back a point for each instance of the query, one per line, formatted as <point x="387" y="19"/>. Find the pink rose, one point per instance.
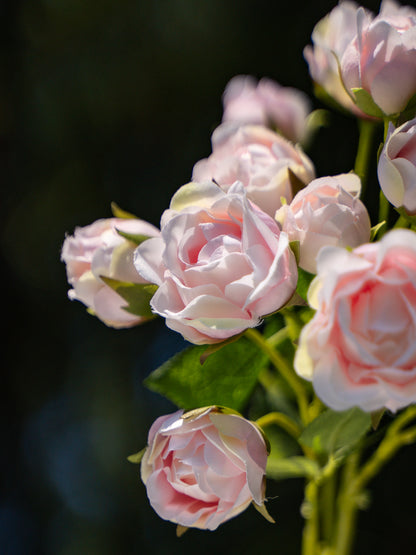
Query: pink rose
<point x="267" y="103"/>
<point x="360" y="347"/>
<point x="382" y="58"/>
<point x="204" y="467"/>
<point x="397" y="167"/>
<point x="257" y="157"/>
<point x="326" y="212"/>
<point x="98" y="250"/>
<point x="330" y="37"/>
<point x="221" y="264"/>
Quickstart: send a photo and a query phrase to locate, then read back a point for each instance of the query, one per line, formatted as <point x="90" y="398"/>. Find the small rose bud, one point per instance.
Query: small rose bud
<point x="326" y="212"/>
<point x="267" y="103"/>
<point x="96" y="252"/>
<point x="257" y="157"/>
<point x="381" y="59"/>
<point x="397" y="167"/>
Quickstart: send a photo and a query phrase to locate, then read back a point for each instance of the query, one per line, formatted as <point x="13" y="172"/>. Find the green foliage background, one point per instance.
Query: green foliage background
<point x="115" y="101"/>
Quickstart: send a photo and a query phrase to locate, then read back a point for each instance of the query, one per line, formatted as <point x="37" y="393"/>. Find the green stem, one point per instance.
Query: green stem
<point x="401" y="420"/>
<point x="310" y="510"/>
<point x="385" y="451"/>
<point x="401" y="222"/>
<point x="284" y="369"/>
<point x="356" y="479"/>
<point x="347" y="508"/>
<point x="281" y="420"/>
<point x="328" y="490"/>
<point x="383" y="212"/>
<point x="278" y="337"/>
<point x="365" y="142"/>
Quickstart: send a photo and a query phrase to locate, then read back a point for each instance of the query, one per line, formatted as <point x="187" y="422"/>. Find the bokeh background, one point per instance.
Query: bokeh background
<point x="116" y="101"/>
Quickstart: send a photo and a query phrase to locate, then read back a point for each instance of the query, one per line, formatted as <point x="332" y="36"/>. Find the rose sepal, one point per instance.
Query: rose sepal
<point x="137" y="295"/>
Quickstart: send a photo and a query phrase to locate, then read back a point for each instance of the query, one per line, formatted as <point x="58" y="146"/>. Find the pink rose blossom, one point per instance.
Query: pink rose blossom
<point x="257" y="157"/>
<point x="382" y="57"/>
<point x="99" y="250"/>
<point x="326" y="212"/>
<point x="267" y="103"/>
<point x="221" y="264"/>
<point x="204" y="467"/>
<point x="330" y="37"/>
<point x="360" y="347"/>
<point x="397" y="167"/>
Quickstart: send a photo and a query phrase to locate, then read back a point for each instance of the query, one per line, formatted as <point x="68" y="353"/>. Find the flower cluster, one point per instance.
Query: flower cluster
<point x="253" y="230"/>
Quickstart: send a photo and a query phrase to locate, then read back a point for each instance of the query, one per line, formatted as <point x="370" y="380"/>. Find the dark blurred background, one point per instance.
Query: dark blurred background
<point x="115" y="101"/>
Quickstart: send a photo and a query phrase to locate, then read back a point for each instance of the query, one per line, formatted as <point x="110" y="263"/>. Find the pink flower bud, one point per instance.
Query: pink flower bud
<point x="330" y="38"/>
<point x="326" y="212"/>
<point x="267" y="103"/>
<point x="258" y="158"/>
<point x="204" y="467"/>
<point x="360" y="349"/>
<point x="397" y="167"/>
<point x="99" y="250"/>
<point x="381" y="59"/>
<point x="220" y="263"/>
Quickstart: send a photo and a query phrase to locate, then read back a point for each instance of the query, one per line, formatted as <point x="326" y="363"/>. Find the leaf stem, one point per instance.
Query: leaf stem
<point x="383" y="212"/>
<point x="347" y="508"/>
<point x="282" y="420"/>
<point x="365" y="142"/>
<point x="284" y="369"/>
<point x="310" y="511"/>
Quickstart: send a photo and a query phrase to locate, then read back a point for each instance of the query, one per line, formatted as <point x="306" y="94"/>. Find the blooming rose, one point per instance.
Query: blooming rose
<point x="259" y="158"/>
<point x="267" y="103"/>
<point x="221" y="264"/>
<point x="99" y="250"/>
<point x="382" y="58"/>
<point x="397" y="167"/>
<point x="360" y="347"/>
<point x="204" y="467"/>
<point x="326" y="212"/>
<point x="330" y="37"/>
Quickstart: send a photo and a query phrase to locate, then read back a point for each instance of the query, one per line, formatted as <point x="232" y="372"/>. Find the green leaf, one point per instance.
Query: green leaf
<point x="292" y="467"/>
<point x="226" y="378"/>
<point x="336" y="433"/>
<point x="304" y="280"/>
<point x="210" y="349"/>
<point x="137" y="457"/>
<point x="137" y="295"/>
<point x="365" y="102"/>
<point x="135" y="238"/>
<point x="120" y="213"/>
<point x="375" y="229"/>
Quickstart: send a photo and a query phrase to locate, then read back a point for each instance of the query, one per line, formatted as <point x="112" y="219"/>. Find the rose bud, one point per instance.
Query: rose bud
<point x="397" y="167"/>
<point x="326" y="212"/>
<point x="258" y="157"/>
<point x="382" y="58"/>
<point x="98" y="252"/>
<point x="330" y="37"/>
<point x="221" y="264"/>
<point x="204" y="467"/>
<point x="359" y="349"/>
<point x="267" y="103"/>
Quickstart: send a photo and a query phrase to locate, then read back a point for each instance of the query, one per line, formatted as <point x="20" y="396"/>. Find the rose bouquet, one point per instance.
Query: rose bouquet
<point x="298" y="306"/>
